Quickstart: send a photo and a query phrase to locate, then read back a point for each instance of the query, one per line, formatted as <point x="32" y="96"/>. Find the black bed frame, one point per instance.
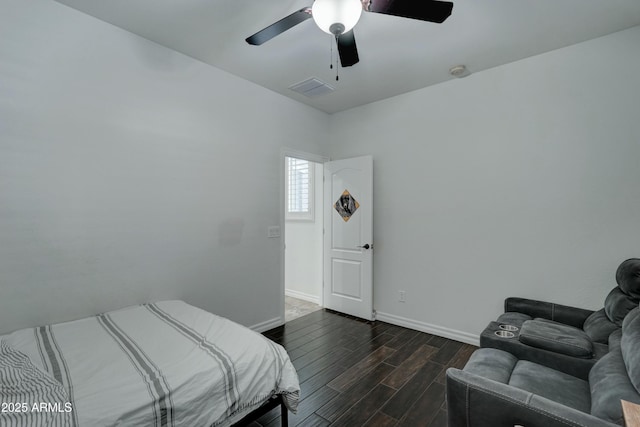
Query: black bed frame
<point x="270" y="404"/>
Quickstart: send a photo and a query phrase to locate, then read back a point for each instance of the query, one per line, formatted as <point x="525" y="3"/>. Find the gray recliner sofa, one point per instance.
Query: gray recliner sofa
<point x="561" y="337"/>
<point x="498" y="389"/>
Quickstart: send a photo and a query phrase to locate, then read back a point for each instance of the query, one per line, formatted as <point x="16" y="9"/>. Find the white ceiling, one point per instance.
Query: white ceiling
<point x="397" y="55"/>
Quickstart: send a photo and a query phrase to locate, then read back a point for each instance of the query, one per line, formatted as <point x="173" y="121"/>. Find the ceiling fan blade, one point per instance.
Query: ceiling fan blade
<point x="347" y="49"/>
<point x="425" y="10"/>
<point x="279" y="27"/>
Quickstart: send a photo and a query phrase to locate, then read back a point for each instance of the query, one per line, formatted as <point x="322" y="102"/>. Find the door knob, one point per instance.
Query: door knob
<point x="366" y="246"/>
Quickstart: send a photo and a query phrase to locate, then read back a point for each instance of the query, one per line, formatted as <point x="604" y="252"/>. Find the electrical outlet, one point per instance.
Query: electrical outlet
<point x="401" y="297"/>
<point x="273" y="231"/>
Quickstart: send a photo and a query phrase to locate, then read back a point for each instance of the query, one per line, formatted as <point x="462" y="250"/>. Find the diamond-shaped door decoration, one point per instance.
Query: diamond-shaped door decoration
<point x="346" y="205"/>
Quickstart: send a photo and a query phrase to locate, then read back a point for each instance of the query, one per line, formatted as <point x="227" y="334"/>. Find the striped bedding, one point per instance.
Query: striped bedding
<point x="161" y="364"/>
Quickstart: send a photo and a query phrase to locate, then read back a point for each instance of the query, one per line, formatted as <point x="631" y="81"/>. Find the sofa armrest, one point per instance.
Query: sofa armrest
<point x="547" y="310"/>
<point x="481" y="402"/>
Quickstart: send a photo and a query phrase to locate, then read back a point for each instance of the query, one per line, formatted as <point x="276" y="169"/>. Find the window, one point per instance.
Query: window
<point x="299" y="189"/>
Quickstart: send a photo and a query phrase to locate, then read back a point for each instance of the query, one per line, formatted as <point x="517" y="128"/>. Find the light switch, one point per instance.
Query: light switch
<point x="273" y="231"/>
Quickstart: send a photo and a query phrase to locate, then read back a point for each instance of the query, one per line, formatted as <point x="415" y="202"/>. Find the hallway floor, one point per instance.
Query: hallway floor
<point x="294" y="308"/>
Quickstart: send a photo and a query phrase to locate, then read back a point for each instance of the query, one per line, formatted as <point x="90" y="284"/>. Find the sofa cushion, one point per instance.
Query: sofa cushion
<point x="492" y="364"/>
<point x="630" y="346"/>
<point x="554" y="385"/>
<point x="556" y="337"/>
<point x="614" y="339"/>
<point x="599" y="327"/>
<point x="618" y="304"/>
<point x="628" y="277"/>
<point x="629" y="325"/>
<point x="609" y="383"/>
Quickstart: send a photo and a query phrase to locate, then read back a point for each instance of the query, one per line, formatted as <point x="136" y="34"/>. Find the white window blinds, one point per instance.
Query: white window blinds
<point x="299" y="189"/>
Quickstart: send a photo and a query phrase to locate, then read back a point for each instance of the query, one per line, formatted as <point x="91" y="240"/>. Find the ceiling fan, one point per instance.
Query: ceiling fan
<point x="338" y="17"/>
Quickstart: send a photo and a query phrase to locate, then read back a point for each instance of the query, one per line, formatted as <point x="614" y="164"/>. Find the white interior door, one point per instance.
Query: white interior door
<point x="348" y="236"/>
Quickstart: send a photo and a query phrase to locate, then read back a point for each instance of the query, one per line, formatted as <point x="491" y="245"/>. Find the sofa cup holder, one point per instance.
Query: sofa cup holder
<point x="509" y="328"/>
<point x="505" y="334"/>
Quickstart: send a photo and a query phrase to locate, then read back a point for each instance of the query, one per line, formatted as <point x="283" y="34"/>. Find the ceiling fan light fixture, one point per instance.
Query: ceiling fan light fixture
<point x="336" y="16"/>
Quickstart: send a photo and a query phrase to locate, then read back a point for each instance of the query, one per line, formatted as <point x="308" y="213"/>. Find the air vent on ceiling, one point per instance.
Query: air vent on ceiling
<point x="312" y="88"/>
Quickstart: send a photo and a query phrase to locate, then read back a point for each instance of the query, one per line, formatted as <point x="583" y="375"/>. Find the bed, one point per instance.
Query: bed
<point x="159" y="364"/>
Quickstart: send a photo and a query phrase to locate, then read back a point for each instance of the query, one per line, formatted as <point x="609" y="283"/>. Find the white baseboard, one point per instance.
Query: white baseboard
<point x="303" y="296"/>
<point x="464" y="337"/>
<point x="268" y="324"/>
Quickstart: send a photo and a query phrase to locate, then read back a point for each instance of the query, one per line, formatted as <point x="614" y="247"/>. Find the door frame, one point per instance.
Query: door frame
<point x="311" y="157"/>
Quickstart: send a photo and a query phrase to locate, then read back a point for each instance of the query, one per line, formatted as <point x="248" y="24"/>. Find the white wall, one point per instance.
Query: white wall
<point x="520" y="180"/>
<point x="129" y="172"/>
<point x="303" y="254"/>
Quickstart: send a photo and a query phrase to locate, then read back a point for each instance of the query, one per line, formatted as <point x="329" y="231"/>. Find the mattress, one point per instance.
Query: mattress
<point x="160" y="364"/>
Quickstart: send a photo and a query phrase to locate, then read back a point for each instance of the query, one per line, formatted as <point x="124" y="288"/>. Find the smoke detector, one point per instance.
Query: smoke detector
<point x="459" y="71"/>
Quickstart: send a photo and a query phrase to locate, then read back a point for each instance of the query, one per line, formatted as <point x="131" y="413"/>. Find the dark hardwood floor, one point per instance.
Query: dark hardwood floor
<point x="356" y="373"/>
